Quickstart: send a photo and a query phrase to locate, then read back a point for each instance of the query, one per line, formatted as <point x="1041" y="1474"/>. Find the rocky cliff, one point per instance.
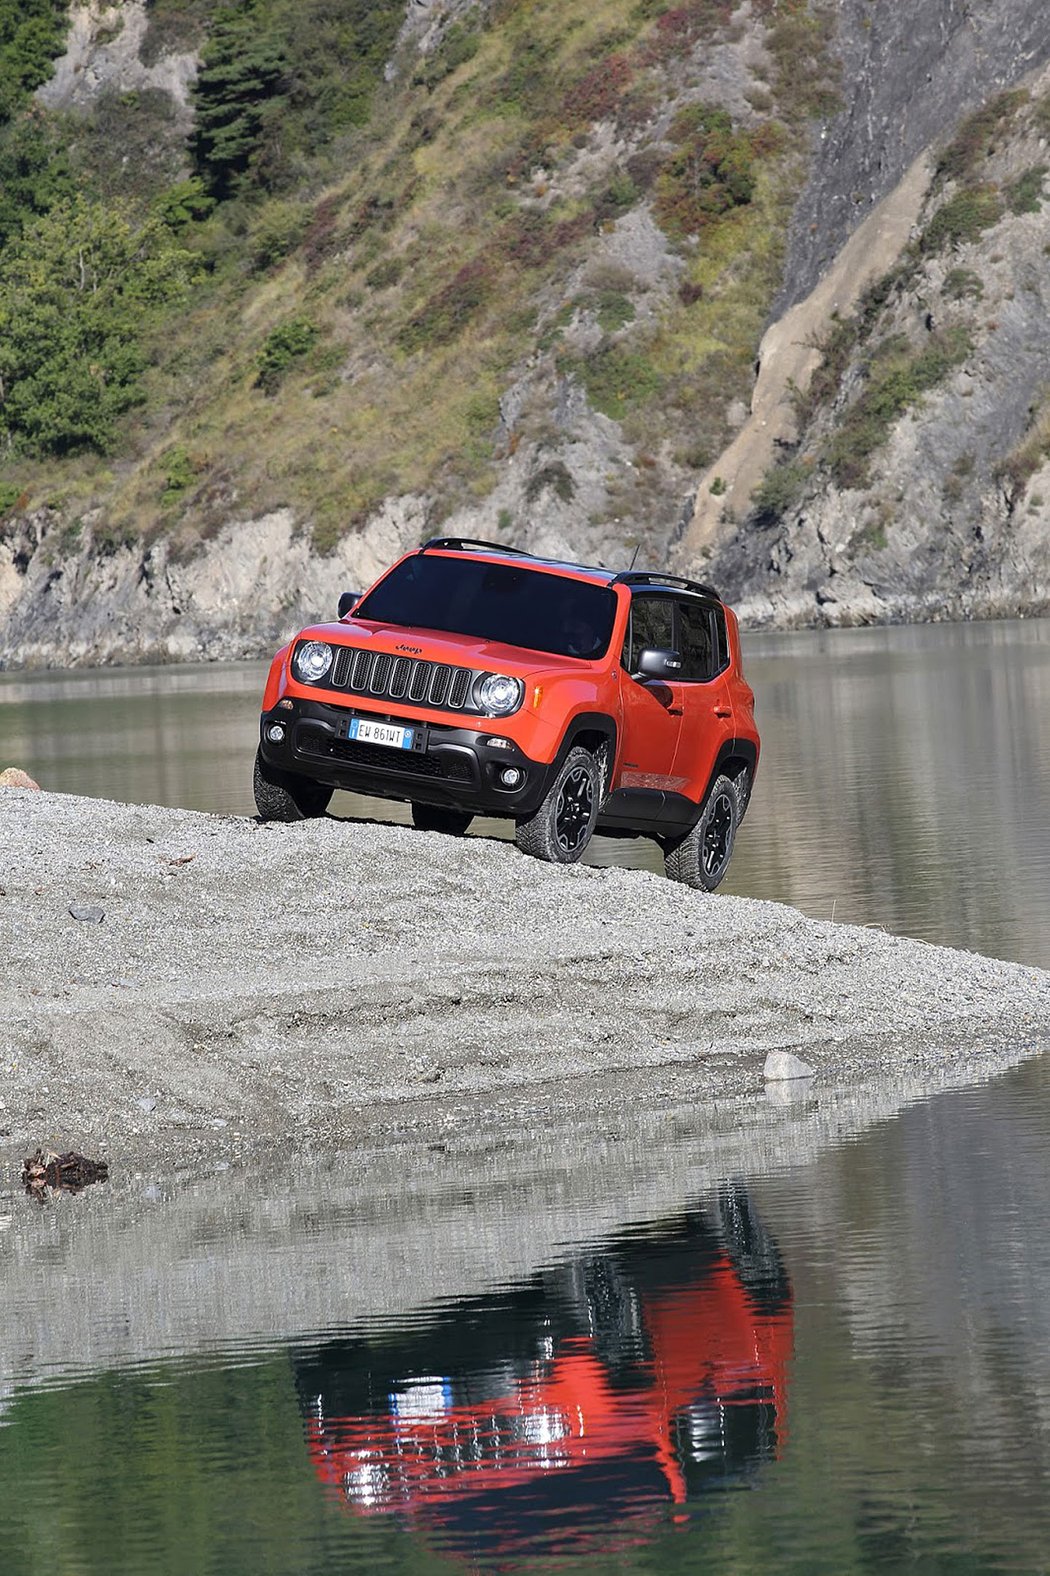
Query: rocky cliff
<point x="886" y="501"/>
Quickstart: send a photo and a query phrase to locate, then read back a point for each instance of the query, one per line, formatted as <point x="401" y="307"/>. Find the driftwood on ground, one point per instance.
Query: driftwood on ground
<point x="70" y="1171"/>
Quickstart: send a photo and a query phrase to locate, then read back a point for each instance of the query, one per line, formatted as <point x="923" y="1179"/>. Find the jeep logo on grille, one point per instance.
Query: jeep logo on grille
<point x="414" y="651"/>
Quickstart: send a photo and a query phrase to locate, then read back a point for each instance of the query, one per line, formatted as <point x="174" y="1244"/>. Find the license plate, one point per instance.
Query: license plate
<point x="387" y="733"/>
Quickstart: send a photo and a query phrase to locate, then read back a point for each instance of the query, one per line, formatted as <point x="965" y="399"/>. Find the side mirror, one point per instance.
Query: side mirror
<point x="348" y="601"/>
<point x="655" y="663"/>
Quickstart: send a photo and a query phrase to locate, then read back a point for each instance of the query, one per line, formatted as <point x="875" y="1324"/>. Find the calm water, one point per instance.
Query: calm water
<point x="905" y="779"/>
<point x="811" y="1339"/>
<point x="656" y="1350"/>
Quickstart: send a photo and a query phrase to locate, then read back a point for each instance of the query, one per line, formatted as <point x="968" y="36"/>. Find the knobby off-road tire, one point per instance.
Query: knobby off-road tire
<point x="439" y="818"/>
<point x="564" y="823"/>
<point x="280" y="796"/>
<point x="701" y="858"/>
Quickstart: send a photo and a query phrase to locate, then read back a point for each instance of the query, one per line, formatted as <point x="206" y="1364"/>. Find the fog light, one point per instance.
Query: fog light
<point x="275" y="732"/>
<point x="497" y="743"/>
<point x="511" y="776"/>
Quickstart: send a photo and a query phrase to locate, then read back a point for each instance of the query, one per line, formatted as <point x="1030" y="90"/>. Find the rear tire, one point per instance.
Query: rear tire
<point x="281" y="796"/>
<point x="701" y="858"/>
<point x="439" y="818"/>
<point x="564" y="823"/>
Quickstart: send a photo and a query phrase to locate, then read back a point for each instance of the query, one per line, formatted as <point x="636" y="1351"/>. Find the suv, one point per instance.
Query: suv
<point x="474" y="679"/>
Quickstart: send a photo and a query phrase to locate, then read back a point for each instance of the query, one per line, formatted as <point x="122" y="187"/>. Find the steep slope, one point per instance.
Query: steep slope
<point x="521" y="296"/>
<point x="915" y="481"/>
<point x="504" y="267"/>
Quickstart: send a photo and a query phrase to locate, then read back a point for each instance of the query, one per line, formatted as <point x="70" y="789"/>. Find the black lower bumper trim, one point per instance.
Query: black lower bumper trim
<point x="457" y="767"/>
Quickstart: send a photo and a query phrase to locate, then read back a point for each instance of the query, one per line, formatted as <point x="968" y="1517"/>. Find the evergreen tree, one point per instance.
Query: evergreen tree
<point x="34" y="172"/>
<point x="238" y="99"/>
<point x="32" y="34"/>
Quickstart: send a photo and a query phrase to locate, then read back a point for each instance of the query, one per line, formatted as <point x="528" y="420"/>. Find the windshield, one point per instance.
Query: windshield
<point x="513" y="604"/>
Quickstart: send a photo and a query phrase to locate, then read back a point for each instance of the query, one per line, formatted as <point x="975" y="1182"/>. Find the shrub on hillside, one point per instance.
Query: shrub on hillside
<point x="898" y="378"/>
<point x="780" y="491"/>
<point x="962" y="284"/>
<point x="617" y="379"/>
<point x="962" y="218"/>
<point x="597" y="94"/>
<point x="284" y="345"/>
<point x="710" y="172"/>
<point x="978" y="135"/>
<point x="1025" y="194"/>
<point x="450" y="308"/>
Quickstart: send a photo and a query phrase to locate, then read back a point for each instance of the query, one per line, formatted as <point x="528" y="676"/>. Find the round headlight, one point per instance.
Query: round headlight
<point x="499" y="696"/>
<point x="312" y="660"/>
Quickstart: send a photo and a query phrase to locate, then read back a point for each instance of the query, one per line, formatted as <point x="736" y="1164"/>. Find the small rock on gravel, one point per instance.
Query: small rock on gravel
<point x="89" y="914"/>
<point x="782" y="1065"/>
<point x="15" y="777"/>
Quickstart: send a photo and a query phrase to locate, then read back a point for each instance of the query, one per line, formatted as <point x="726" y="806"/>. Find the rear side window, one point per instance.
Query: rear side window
<point x="652" y="625"/>
<point x="702" y="640"/>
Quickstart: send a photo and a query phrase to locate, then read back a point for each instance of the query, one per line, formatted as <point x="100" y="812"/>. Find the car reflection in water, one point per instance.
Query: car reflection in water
<point x="562" y="1413"/>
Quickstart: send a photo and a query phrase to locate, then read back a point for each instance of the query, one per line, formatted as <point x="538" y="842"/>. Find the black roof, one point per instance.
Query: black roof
<point x="627" y="577"/>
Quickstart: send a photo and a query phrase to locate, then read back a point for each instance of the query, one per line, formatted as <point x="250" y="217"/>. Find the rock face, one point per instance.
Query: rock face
<point x="909" y="75"/>
<point x="257" y="583"/>
<point x="949" y="516"/>
<point x="103" y="54"/>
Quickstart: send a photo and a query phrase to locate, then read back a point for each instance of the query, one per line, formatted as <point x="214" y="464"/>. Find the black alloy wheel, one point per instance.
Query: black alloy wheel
<point x="572" y="812"/>
<point x="563" y="824"/>
<point x="701" y="858"/>
<point x="720" y="825"/>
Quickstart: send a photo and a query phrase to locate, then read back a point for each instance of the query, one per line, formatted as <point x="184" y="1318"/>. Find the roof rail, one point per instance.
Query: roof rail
<point x="651" y="577"/>
<point x="461" y="543"/>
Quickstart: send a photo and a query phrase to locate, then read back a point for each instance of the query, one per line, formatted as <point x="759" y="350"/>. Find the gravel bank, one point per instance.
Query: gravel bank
<point x="257" y="984"/>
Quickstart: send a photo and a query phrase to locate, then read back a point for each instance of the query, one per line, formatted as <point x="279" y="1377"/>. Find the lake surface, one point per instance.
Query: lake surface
<point x="656" y="1350"/>
<point x="807" y="1339"/>
<point x="905" y="776"/>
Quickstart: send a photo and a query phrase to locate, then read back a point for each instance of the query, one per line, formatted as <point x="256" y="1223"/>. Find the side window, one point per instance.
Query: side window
<point x="651" y="625"/>
<point x="698" y="641"/>
<point x="721" y="640"/>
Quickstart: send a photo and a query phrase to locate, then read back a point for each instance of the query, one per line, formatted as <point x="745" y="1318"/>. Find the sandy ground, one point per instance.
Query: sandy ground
<point x="254" y="985"/>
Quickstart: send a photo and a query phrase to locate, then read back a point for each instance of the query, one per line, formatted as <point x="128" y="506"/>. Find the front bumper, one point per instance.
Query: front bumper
<point x="450" y="766"/>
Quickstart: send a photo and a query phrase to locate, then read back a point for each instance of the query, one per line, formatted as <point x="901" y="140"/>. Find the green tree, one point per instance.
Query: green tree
<point x="32" y="33"/>
<point x="77" y="294"/>
<point x="35" y="172"/>
<point x="238" y="100"/>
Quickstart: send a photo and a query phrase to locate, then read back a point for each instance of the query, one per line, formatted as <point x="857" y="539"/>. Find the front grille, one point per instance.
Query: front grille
<point x="451" y="766"/>
<point x="376" y="673"/>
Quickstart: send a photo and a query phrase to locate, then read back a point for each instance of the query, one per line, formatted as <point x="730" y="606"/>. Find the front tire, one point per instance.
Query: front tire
<point x="440" y="818"/>
<point x="561" y="828"/>
<point x="701" y="858"/>
<point x="280" y="796"/>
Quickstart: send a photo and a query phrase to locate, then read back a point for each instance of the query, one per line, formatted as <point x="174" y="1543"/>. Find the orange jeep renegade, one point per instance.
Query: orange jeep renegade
<point x="474" y="679"/>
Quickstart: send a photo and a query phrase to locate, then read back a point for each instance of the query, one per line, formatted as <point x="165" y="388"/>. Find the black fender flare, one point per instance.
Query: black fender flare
<point x="743" y="751"/>
<point x="590" y="723"/>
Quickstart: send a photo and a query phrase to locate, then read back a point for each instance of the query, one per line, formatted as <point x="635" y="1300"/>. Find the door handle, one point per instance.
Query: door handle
<point x="723" y="711"/>
<point x="674" y="711"/>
